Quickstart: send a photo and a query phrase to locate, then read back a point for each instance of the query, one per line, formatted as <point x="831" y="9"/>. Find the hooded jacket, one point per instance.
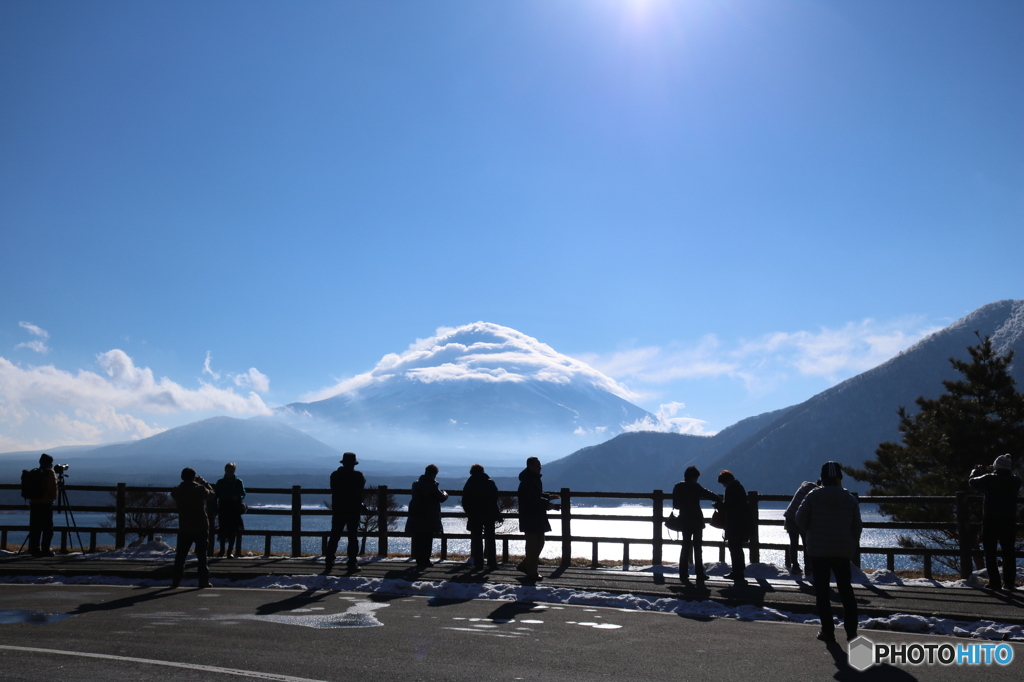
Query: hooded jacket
<point x="830" y="516"/>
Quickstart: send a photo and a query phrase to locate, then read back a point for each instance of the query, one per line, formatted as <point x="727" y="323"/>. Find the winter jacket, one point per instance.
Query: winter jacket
<point x="739" y="523"/>
<point x="1001" y="488"/>
<point x="480" y="500"/>
<point x="347" y="487"/>
<point x="230" y="493"/>
<point x="533" y="504"/>
<point x="191" y="498"/>
<point x="425" y="507"/>
<point x="830" y="517"/>
<point x="794" y="504"/>
<point x="686" y="497"/>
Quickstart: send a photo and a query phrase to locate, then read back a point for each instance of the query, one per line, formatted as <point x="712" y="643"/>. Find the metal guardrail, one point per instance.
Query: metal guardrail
<point x="657" y="541"/>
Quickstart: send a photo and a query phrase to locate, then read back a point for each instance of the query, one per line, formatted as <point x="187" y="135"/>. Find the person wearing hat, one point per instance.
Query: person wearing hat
<point x="40" y="511"/>
<point x="999" y="518"/>
<point x="830" y="518"/>
<point x="347" y="486"/>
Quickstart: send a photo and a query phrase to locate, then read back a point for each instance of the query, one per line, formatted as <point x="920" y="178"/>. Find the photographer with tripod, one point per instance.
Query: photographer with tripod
<point x="40" y="517"/>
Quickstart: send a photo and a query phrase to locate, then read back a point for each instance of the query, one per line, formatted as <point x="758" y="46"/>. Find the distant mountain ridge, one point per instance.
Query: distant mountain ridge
<point x="774" y="452"/>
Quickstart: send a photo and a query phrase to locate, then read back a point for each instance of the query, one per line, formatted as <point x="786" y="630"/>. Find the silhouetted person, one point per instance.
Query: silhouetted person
<point x="191" y="496"/>
<point x="999" y="519"/>
<point x="795" y="534"/>
<point x="830" y="518"/>
<point x="230" y="493"/>
<point x="347" y="486"/>
<point x="40" y="511"/>
<point x="424" y="522"/>
<point x="534" y="504"/>
<point x="686" y="497"/>
<point x="480" y="502"/>
<point x="738" y="524"/>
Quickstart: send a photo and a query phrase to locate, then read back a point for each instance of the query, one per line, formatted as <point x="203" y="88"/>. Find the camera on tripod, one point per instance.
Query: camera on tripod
<point x="60" y="468"/>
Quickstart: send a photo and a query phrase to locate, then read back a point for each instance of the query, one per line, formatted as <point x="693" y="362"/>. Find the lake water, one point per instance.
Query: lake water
<point x="611" y="550"/>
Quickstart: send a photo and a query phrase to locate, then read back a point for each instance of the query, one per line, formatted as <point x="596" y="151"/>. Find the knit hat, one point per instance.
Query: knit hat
<point x="831" y="470"/>
<point x="1002" y="462"/>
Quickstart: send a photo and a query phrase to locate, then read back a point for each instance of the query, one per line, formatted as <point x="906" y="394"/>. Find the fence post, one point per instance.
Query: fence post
<point x="566" y="516"/>
<point x="755" y="535"/>
<point x="296" y="520"/>
<point x="382" y="520"/>
<point x="656" y="538"/>
<point x="856" y="556"/>
<point x="963" y="525"/>
<point x="119" y="506"/>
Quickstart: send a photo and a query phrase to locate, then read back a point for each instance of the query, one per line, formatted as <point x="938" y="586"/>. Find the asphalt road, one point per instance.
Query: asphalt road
<point x="103" y="632"/>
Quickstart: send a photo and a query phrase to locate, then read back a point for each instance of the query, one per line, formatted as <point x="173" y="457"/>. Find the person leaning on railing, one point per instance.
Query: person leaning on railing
<point x="686" y="497"/>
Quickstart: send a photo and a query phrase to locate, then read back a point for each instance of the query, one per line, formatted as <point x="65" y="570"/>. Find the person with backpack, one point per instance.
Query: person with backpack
<point x="39" y="486"/>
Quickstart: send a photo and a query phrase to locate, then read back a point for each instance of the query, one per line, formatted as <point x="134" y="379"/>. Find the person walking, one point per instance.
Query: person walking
<point x="347" y="487"/>
<point x="480" y="502"/>
<point x="230" y="507"/>
<point x="40" y="510"/>
<point x="534" y="504"/>
<point x="686" y="497"/>
<point x="830" y="518"/>
<point x="999" y="518"/>
<point x="424" y="522"/>
<point x="795" y="535"/>
<point x="738" y="524"/>
<point x="191" y="496"/>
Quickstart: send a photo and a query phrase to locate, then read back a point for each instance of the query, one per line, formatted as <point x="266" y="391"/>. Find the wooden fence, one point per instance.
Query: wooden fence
<point x="567" y="515"/>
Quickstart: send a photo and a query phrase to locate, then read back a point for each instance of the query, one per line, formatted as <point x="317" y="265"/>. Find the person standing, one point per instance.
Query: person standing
<point x="534" y="504"/>
<point x="830" y="518"/>
<point x="424" y="522"/>
<point x="230" y="493"/>
<point x="686" y="497"/>
<point x="191" y="496"/>
<point x="40" y="510"/>
<point x="792" y="556"/>
<point x="999" y="518"/>
<point x="738" y="524"/>
<point x="480" y="502"/>
<point x="347" y="487"/>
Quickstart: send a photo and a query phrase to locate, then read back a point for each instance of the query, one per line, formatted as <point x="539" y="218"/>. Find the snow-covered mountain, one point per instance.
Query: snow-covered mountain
<point x="480" y="389"/>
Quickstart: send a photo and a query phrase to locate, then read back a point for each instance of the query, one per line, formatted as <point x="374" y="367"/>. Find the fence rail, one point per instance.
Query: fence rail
<point x="294" y="509"/>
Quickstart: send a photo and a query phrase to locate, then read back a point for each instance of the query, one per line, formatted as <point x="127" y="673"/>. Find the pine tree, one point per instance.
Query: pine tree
<point x="978" y="418"/>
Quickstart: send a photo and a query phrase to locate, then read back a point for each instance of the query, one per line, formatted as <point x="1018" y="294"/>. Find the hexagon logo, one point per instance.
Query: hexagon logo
<point x="861" y="654"/>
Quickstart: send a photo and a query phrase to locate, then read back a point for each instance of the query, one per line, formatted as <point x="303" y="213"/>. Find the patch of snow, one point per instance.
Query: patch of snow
<point x="559" y="595"/>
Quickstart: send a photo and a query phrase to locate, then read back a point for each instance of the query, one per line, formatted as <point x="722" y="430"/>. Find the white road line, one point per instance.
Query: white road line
<point x="254" y="674"/>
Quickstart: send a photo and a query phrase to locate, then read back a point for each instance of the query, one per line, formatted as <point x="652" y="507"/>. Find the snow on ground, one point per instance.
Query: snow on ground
<point x="983" y="629"/>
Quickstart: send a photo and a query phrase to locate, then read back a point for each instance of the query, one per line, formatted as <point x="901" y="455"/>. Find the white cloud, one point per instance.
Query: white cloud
<point x="254" y="378"/>
<point x="37" y="345"/>
<point x="33" y="329"/>
<point x="478" y="352"/>
<point x="831" y="354"/>
<point x="666" y="421"/>
<point x="62" y="407"/>
<point x="207" y="368"/>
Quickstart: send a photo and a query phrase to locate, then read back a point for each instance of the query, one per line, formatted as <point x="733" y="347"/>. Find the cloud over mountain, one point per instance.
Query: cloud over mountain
<point x="478" y="352"/>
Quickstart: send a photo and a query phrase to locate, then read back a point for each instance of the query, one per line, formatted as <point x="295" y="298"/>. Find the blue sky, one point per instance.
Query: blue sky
<point x="216" y="208"/>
